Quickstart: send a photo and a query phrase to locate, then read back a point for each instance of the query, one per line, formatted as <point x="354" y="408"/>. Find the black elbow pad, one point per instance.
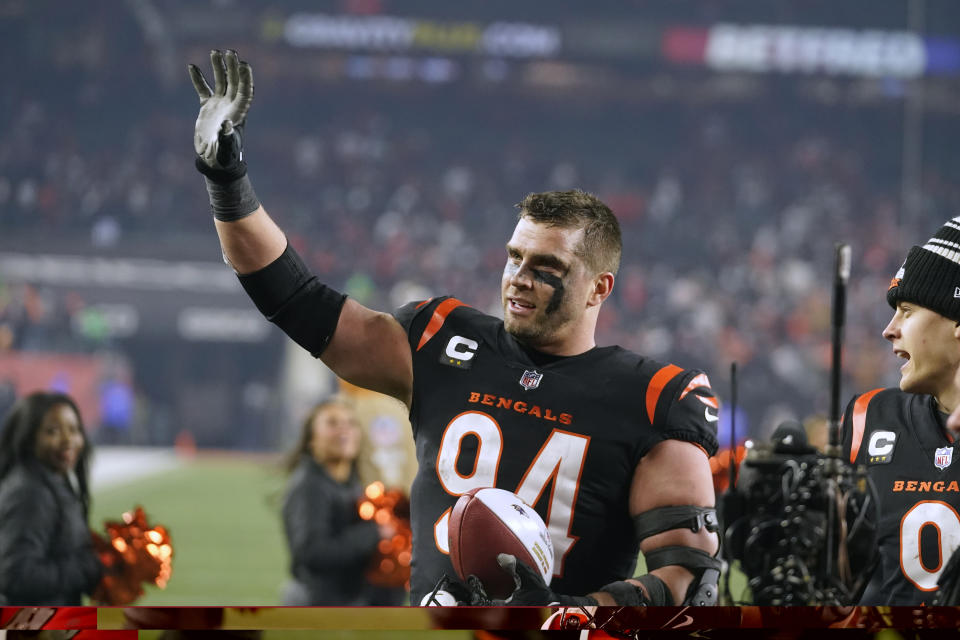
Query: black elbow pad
<point x="295" y="300"/>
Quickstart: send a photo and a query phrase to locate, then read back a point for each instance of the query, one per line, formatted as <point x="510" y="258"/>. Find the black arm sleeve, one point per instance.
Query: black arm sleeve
<point x="295" y="300"/>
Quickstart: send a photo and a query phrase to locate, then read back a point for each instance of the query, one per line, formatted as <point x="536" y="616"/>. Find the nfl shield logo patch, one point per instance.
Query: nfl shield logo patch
<point x="942" y="457"/>
<point x="530" y="380"/>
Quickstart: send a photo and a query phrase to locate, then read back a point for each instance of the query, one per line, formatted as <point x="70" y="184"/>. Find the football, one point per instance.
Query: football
<point x="486" y="522"/>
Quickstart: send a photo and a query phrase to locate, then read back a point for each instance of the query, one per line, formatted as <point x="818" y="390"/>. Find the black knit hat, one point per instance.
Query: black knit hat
<point x="930" y="276"/>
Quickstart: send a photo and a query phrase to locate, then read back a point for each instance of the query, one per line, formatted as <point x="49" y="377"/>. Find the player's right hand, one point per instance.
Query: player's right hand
<point x="450" y="592"/>
<point x="531" y="589"/>
<point x="223" y="109"/>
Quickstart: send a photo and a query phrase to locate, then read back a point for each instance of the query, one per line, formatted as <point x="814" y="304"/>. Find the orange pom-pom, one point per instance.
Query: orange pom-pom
<point x="133" y="552"/>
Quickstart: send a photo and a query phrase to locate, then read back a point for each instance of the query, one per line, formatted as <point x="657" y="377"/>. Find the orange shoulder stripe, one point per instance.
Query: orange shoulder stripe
<point x="425" y="302"/>
<point x="859" y="420"/>
<point x="701" y="380"/>
<point x="657" y="383"/>
<point x="439" y="317"/>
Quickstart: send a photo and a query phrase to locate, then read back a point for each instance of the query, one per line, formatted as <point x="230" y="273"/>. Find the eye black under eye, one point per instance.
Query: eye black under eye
<point x="548" y="277"/>
<point x="551" y="269"/>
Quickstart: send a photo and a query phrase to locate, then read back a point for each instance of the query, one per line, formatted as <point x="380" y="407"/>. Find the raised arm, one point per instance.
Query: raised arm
<point x="362" y="346"/>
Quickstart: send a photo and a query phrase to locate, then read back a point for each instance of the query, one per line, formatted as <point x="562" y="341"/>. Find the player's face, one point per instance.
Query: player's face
<point x="336" y="435"/>
<point x="928" y="342"/>
<point x="59" y="441"/>
<point x="545" y="285"/>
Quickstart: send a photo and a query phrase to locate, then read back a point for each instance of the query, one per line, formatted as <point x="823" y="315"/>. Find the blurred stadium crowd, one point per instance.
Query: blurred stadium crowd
<point x="398" y="190"/>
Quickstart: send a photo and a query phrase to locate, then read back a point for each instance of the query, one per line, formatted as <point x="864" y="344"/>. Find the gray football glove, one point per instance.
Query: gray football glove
<point x="218" y="136"/>
<point x="531" y="589"/>
<point x="223" y="110"/>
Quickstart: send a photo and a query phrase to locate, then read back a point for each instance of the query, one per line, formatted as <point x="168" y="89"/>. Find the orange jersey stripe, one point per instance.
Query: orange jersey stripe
<point x="700" y="380"/>
<point x="657" y="383"/>
<point x="859" y="420"/>
<point x="439" y="317"/>
<point x="427" y="301"/>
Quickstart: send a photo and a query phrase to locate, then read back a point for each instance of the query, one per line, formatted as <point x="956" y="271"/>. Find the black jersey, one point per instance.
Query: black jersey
<point x="911" y="459"/>
<point x="564" y="433"/>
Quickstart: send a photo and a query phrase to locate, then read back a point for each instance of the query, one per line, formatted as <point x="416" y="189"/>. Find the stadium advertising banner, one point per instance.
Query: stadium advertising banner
<point x="398" y="34"/>
<point x="756" y="48"/>
<point x="601" y="52"/>
<point x="792" y="49"/>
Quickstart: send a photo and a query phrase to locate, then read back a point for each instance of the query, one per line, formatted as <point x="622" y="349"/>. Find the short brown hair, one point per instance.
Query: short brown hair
<point x="601" y="245"/>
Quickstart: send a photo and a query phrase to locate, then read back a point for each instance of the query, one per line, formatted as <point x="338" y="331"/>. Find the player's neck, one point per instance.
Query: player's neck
<point x="948" y="400"/>
<point x="561" y="349"/>
<point x="574" y="343"/>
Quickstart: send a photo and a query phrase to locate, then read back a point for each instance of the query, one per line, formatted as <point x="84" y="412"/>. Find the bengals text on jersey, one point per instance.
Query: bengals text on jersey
<point x="563" y="433"/>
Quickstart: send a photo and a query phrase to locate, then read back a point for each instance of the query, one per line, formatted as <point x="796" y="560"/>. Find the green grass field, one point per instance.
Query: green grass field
<point x="223" y="514"/>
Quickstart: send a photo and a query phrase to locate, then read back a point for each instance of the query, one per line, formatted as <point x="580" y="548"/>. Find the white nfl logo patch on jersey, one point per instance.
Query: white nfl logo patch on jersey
<point x="530" y="379"/>
<point x="942" y="457"/>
